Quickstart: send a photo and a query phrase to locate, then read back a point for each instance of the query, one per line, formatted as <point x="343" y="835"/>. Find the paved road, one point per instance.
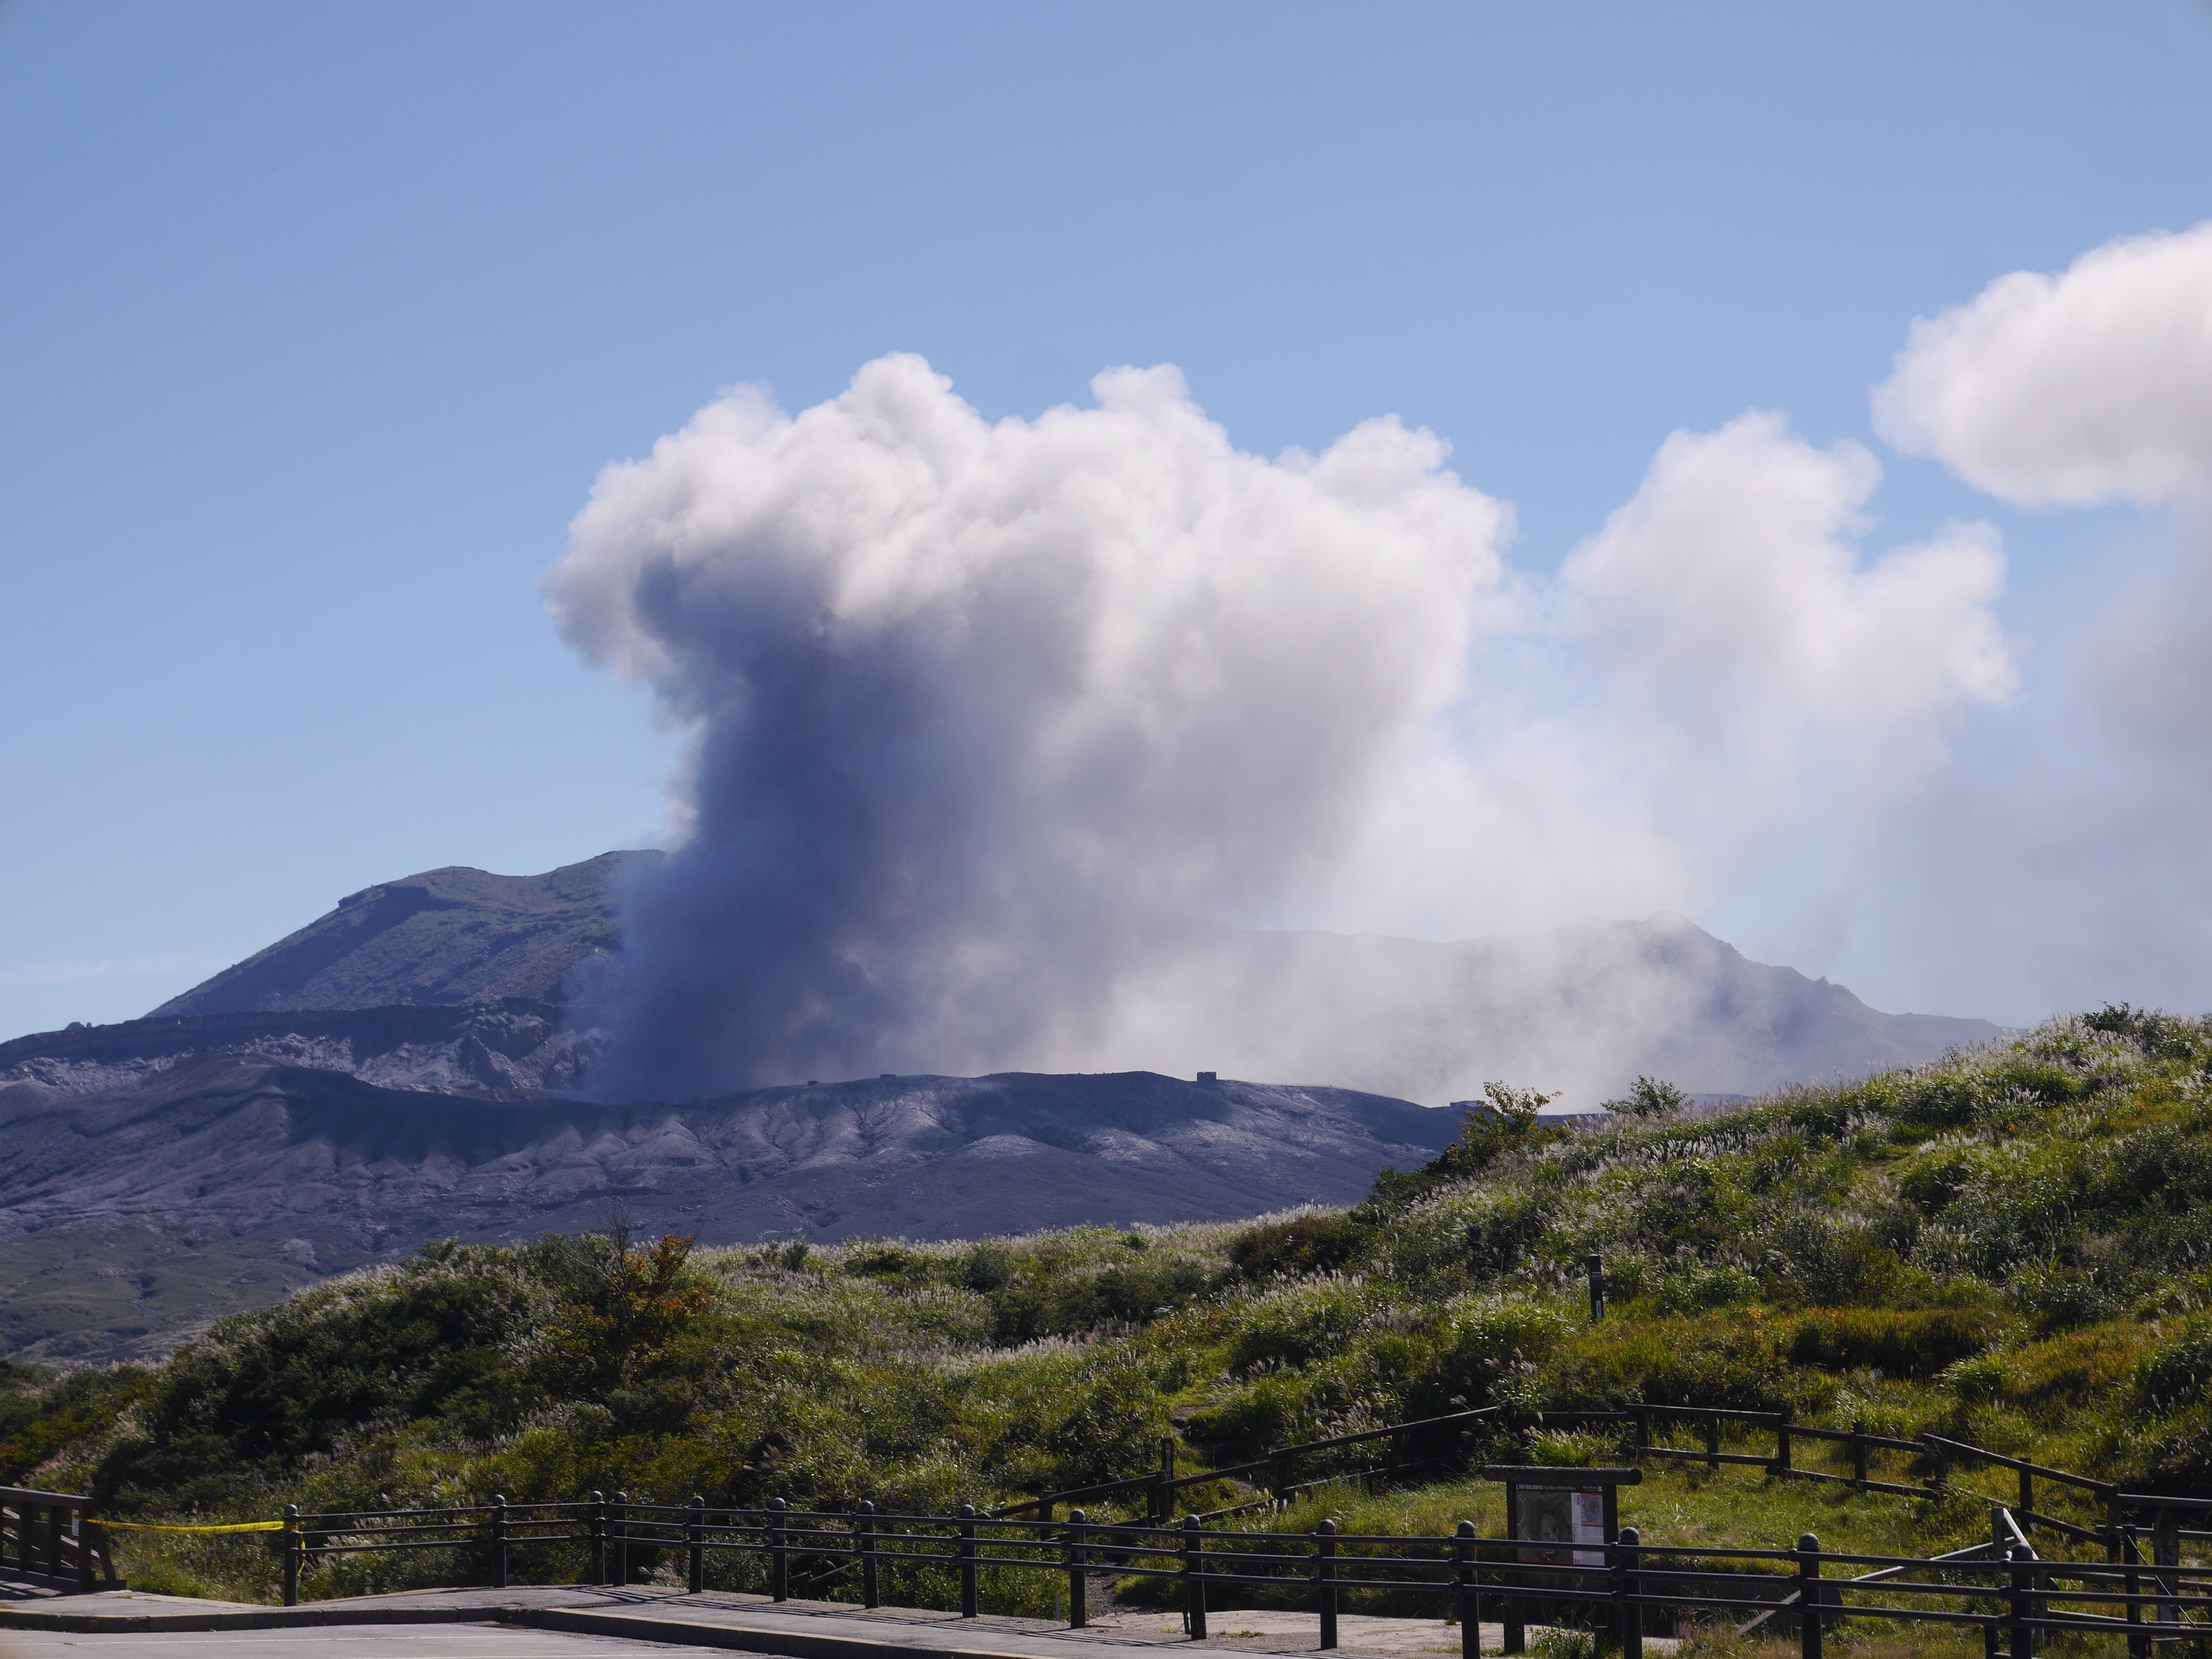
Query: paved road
<point x="390" y="1642"/>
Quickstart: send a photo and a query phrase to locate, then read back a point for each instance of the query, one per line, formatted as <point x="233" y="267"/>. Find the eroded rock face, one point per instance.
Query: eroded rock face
<point x="514" y="1050"/>
<point x="246" y="1161"/>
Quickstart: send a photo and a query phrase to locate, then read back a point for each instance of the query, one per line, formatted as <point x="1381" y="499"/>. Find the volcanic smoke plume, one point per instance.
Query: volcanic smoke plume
<point x="981" y="714"/>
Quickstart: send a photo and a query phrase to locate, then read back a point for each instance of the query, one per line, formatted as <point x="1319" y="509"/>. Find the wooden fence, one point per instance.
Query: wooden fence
<point x="49" y="1539"/>
<point x="2140" y="1592"/>
<point x="1626" y="1588"/>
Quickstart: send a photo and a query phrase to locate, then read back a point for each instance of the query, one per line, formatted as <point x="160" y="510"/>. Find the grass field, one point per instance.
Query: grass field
<point x="2008" y="1247"/>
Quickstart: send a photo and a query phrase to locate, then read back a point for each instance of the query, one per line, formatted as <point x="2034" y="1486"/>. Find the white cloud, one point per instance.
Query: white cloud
<point x="983" y="712"/>
<point x="2090" y="386"/>
<point x="1717" y="674"/>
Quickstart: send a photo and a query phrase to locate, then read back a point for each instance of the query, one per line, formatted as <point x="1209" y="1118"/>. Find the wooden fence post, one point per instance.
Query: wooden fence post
<point x="778" y="1554"/>
<point x="968" y="1561"/>
<point x="1782" y="1442"/>
<point x="1193" y="1575"/>
<point x="292" y="1542"/>
<point x="1808" y="1596"/>
<point x="1324" y="1580"/>
<point x="499" y="1540"/>
<point x="1594" y="1265"/>
<point x="1712" y="1443"/>
<point x="1627" y="1585"/>
<point x="1078" y="1612"/>
<point x="870" y="1590"/>
<point x="2166" y="1554"/>
<point x="1858" y="1450"/>
<point x="83" y="1528"/>
<point x="1514" y="1637"/>
<point x="1470" y="1598"/>
<point x="598" y="1532"/>
<point x="695" y="1539"/>
<point x="2023" y="1639"/>
<point x="2138" y="1639"/>
<point x="621" y="1539"/>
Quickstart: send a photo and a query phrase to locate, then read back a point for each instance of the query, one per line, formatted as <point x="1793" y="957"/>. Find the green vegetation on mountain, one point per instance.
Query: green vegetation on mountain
<point x="2011" y="1246"/>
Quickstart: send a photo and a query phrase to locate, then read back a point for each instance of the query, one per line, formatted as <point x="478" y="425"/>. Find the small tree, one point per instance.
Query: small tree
<point x="643" y="1299"/>
<point x="1649" y="1100"/>
<point x="1505" y="1119"/>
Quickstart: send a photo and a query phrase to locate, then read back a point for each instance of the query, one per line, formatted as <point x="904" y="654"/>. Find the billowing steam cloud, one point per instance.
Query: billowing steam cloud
<point x="989" y="720"/>
<point x="983" y="713"/>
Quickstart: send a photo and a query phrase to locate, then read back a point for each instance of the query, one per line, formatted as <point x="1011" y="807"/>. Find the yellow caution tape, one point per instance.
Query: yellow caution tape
<point x="148" y="1526"/>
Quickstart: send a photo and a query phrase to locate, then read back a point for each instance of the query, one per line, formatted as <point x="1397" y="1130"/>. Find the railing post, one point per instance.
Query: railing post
<point x="621" y="1539"/>
<point x="1808" y="1596"/>
<point x="1324" y="1580"/>
<point x="2023" y="1643"/>
<point x="695" y="1535"/>
<point x="1193" y="1575"/>
<point x="1594" y="1265"/>
<point x="1858" y="1450"/>
<point x="1470" y="1601"/>
<point x="1626" y="1586"/>
<point x="2166" y="1553"/>
<point x="2026" y="1500"/>
<point x="1642" y="1429"/>
<point x="1513" y="1637"/>
<point x="1782" y="1442"/>
<point x="779" y="1559"/>
<point x="84" y="1529"/>
<point x="1712" y="1443"/>
<point x="871" y="1597"/>
<point x="598" y="1532"/>
<point x="968" y="1561"/>
<point x="2138" y="1639"/>
<point x="91" y="1533"/>
<point x="292" y="1542"/>
<point x="1079" y="1611"/>
<point x="499" y="1540"/>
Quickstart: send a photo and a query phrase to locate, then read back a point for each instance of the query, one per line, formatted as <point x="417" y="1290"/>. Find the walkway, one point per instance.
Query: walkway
<point x="516" y="1624"/>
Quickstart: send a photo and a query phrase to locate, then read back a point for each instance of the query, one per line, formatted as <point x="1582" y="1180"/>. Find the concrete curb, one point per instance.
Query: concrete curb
<point x="88" y="1624"/>
<point x="793" y="1640"/>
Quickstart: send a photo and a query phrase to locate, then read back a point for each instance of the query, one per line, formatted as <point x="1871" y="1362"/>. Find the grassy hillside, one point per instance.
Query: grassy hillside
<point x="2009" y="1246"/>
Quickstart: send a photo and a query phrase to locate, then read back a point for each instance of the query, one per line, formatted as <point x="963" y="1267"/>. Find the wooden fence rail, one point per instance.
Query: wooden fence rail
<point x="50" y="1539"/>
<point x="1625" y="1587"/>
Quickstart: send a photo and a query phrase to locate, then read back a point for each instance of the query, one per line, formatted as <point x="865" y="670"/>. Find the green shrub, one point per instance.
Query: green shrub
<point x="1918" y="1343"/>
<point x="1297" y="1245"/>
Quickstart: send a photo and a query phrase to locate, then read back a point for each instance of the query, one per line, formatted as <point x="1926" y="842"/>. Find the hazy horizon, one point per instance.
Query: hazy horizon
<point x="1437" y="475"/>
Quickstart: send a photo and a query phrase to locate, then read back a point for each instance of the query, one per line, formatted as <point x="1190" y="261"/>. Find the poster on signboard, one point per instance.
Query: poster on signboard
<point x="1589" y="1528"/>
<point x="1563" y="1517"/>
<point x="1547" y="1516"/>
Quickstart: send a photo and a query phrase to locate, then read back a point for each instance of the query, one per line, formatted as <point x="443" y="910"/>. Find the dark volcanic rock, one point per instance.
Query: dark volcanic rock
<point x="220" y="1152"/>
<point x="455" y="935"/>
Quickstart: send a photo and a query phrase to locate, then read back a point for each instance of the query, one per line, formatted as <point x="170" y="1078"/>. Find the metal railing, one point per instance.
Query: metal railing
<point x="1625" y="1586"/>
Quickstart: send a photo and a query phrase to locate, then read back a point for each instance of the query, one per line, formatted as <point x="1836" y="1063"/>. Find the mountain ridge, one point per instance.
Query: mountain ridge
<point x="1582" y="1008"/>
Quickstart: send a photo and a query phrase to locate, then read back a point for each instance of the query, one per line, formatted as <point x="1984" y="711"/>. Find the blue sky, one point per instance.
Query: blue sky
<point x="317" y="324"/>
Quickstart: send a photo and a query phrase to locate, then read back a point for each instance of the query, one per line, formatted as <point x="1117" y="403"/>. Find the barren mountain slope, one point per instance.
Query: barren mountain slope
<point x="257" y="1163"/>
<point x="445" y="935"/>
